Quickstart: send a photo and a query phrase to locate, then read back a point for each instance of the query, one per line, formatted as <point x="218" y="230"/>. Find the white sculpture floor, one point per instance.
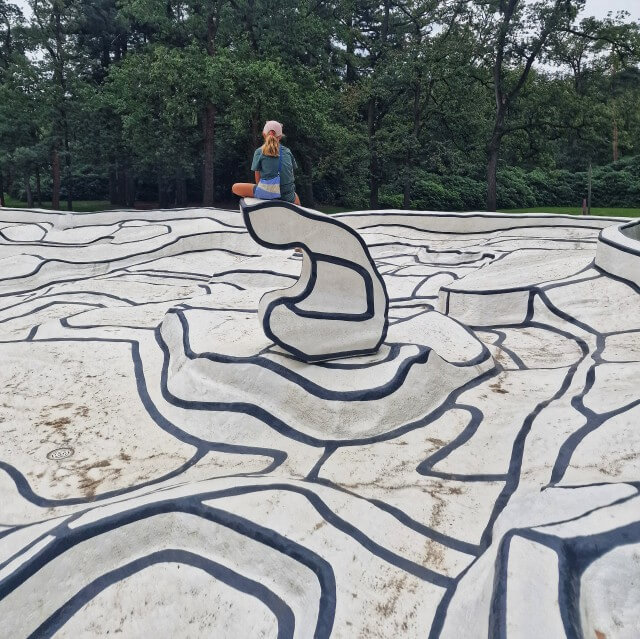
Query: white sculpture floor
<point x="165" y="471"/>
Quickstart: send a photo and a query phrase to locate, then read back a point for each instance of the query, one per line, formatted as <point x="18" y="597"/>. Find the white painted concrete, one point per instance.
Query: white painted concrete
<point x="476" y="475"/>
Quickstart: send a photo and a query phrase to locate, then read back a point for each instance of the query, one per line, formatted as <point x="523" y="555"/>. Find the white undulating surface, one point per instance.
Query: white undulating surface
<point x="477" y="476"/>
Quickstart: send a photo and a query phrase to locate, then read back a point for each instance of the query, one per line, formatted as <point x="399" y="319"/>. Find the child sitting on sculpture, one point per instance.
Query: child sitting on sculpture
<point x="273" y="165"/>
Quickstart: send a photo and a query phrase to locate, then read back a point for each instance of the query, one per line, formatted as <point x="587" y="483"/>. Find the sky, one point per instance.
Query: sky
<point x="598" y="8"/>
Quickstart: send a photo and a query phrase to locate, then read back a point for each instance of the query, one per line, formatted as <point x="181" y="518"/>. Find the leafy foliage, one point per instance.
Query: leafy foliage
<point x="412" y="104"/>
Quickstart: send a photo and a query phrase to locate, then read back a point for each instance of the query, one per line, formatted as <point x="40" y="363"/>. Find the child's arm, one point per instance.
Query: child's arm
<point x="257" y="176"/>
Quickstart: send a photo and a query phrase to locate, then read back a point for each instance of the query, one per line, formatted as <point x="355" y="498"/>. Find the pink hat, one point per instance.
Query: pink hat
<point x="272" y="125"/>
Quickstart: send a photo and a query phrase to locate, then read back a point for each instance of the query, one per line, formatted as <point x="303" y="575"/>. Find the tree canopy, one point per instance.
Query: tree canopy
<point x="430" y="104"/>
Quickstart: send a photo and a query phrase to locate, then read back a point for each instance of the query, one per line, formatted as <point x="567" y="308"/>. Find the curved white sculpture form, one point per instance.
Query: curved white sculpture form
<point x="339" y="306"/>
<point x="619" y="251"/>
<point x="160" y="453"/>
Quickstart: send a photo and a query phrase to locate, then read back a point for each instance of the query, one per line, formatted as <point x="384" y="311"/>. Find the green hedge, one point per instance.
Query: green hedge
<point x="614" y="185"/>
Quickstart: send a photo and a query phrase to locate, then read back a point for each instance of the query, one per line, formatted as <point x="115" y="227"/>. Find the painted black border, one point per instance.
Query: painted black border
<point x="246" y="210"/>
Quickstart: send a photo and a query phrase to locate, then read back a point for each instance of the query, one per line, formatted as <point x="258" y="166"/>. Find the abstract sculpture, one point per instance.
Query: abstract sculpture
<point x="338" y="307"/>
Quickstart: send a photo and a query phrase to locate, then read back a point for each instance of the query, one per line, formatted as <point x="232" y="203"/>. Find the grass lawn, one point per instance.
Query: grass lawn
<point x="567" y="210"/>
<point x="80" y="206"/>
<point x="90" y="206"/>
<point x="572" y="210"/>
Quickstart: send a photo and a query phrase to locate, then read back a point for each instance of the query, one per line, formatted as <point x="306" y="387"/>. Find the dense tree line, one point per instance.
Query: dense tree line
<point x="447" y="104"/>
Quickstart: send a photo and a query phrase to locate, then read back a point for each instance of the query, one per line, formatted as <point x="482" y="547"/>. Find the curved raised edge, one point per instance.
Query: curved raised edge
<point x="618" y="251"/>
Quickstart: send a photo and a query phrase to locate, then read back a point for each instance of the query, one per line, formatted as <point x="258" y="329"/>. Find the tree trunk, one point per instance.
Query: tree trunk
<point x="406" y="199"/>
<point x="255" y="135"/>
<point x="55" y="177"/>
<point x="163" y="202"/>
<point x="121" y="184"/>
<point x="493" y="152"/>
<point x="351" y="75"/>
<point x="307" y="182"/>
<point x="492" y="174"/>
<point x="130" y="189"/>
<point x="1" y="189"/>
<point x="406" y="191"/>
<point x="374" y="183"/>
<point x="113" y="190"/>
<point x="67" y="163"/>
<point x="38" y="188"/>
<point x="209" y="155"/>
<point x="27" y="188"/>
<point x="181" y="188"/>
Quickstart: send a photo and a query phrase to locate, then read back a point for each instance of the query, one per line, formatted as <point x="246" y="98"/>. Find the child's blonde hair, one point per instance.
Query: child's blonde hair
<point x="271" y="145"/>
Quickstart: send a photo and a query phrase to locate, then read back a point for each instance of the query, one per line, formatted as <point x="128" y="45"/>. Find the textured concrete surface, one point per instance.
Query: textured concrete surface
<point x="166" y="470"/>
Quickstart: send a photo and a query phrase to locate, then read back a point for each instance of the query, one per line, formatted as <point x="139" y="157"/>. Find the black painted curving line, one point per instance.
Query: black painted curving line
<point x="536" y="288"/>
<point x="482" y="357"/>
<point x="484" y="232"/>
<point x="314" y="472"/>
<point x="534" y="238"/>
<point x="393" y="274"/>
<point x="575" y="555"/>
<point x="291" y="302"/>
<point x="233" y="407"/>
<point x="423" y="305"/>
<point x="281" y="611"/>
<point x="116" y="269"/>
<point x="619" y="246"/>
<point x="236" y="286"/>
<point x="618" y="278"/>
<point x="430" y="533"/>
<point x="99" y="239"/>
<point x="441" y="610"/>
<point x="64" y="322"/>
<point x="414" y="292"/>
<point x="394" y="351"/>
<point x="425" y="421"/>
<point x="486" y="478"/>
<point x="143" y="278"/>
<point x="446" y="540"/>
<point x="190" y="505"/>
<point x="410" y="298"/>
<point x="530" y="323"/>
<point x="65" y="293"/>
<point x="254" y="272"/>
<point x="616" y="502"/>
<point x="202" y="276"/>
<point x="481" y="214"/>
<point x="413" y="568"/>
<point x="634" y="484"/>
<point x="430" y="250"/>
<point x="202" y="445"/>
<point x="511" y="354"/>
<point x="361" y="395"/>
<point x="157" y="221"/>
<point x="314" y="257"/>
<point x="25" y="490"/>
<point x="568" y="584"/>
<point x="32" y="333"/>
<point x="593" y="422"/>
<point x="192" y="307"/>
<point x="427" y="308"/>
<point x="166" y="276"/>
<point x="476" y="416"/>
<point x="284" y="429"/>
<point x="518" y="446"/>
<point x="517" y="455"/>
<point x="33" y="311"/>
<point x="129" y="256"/>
